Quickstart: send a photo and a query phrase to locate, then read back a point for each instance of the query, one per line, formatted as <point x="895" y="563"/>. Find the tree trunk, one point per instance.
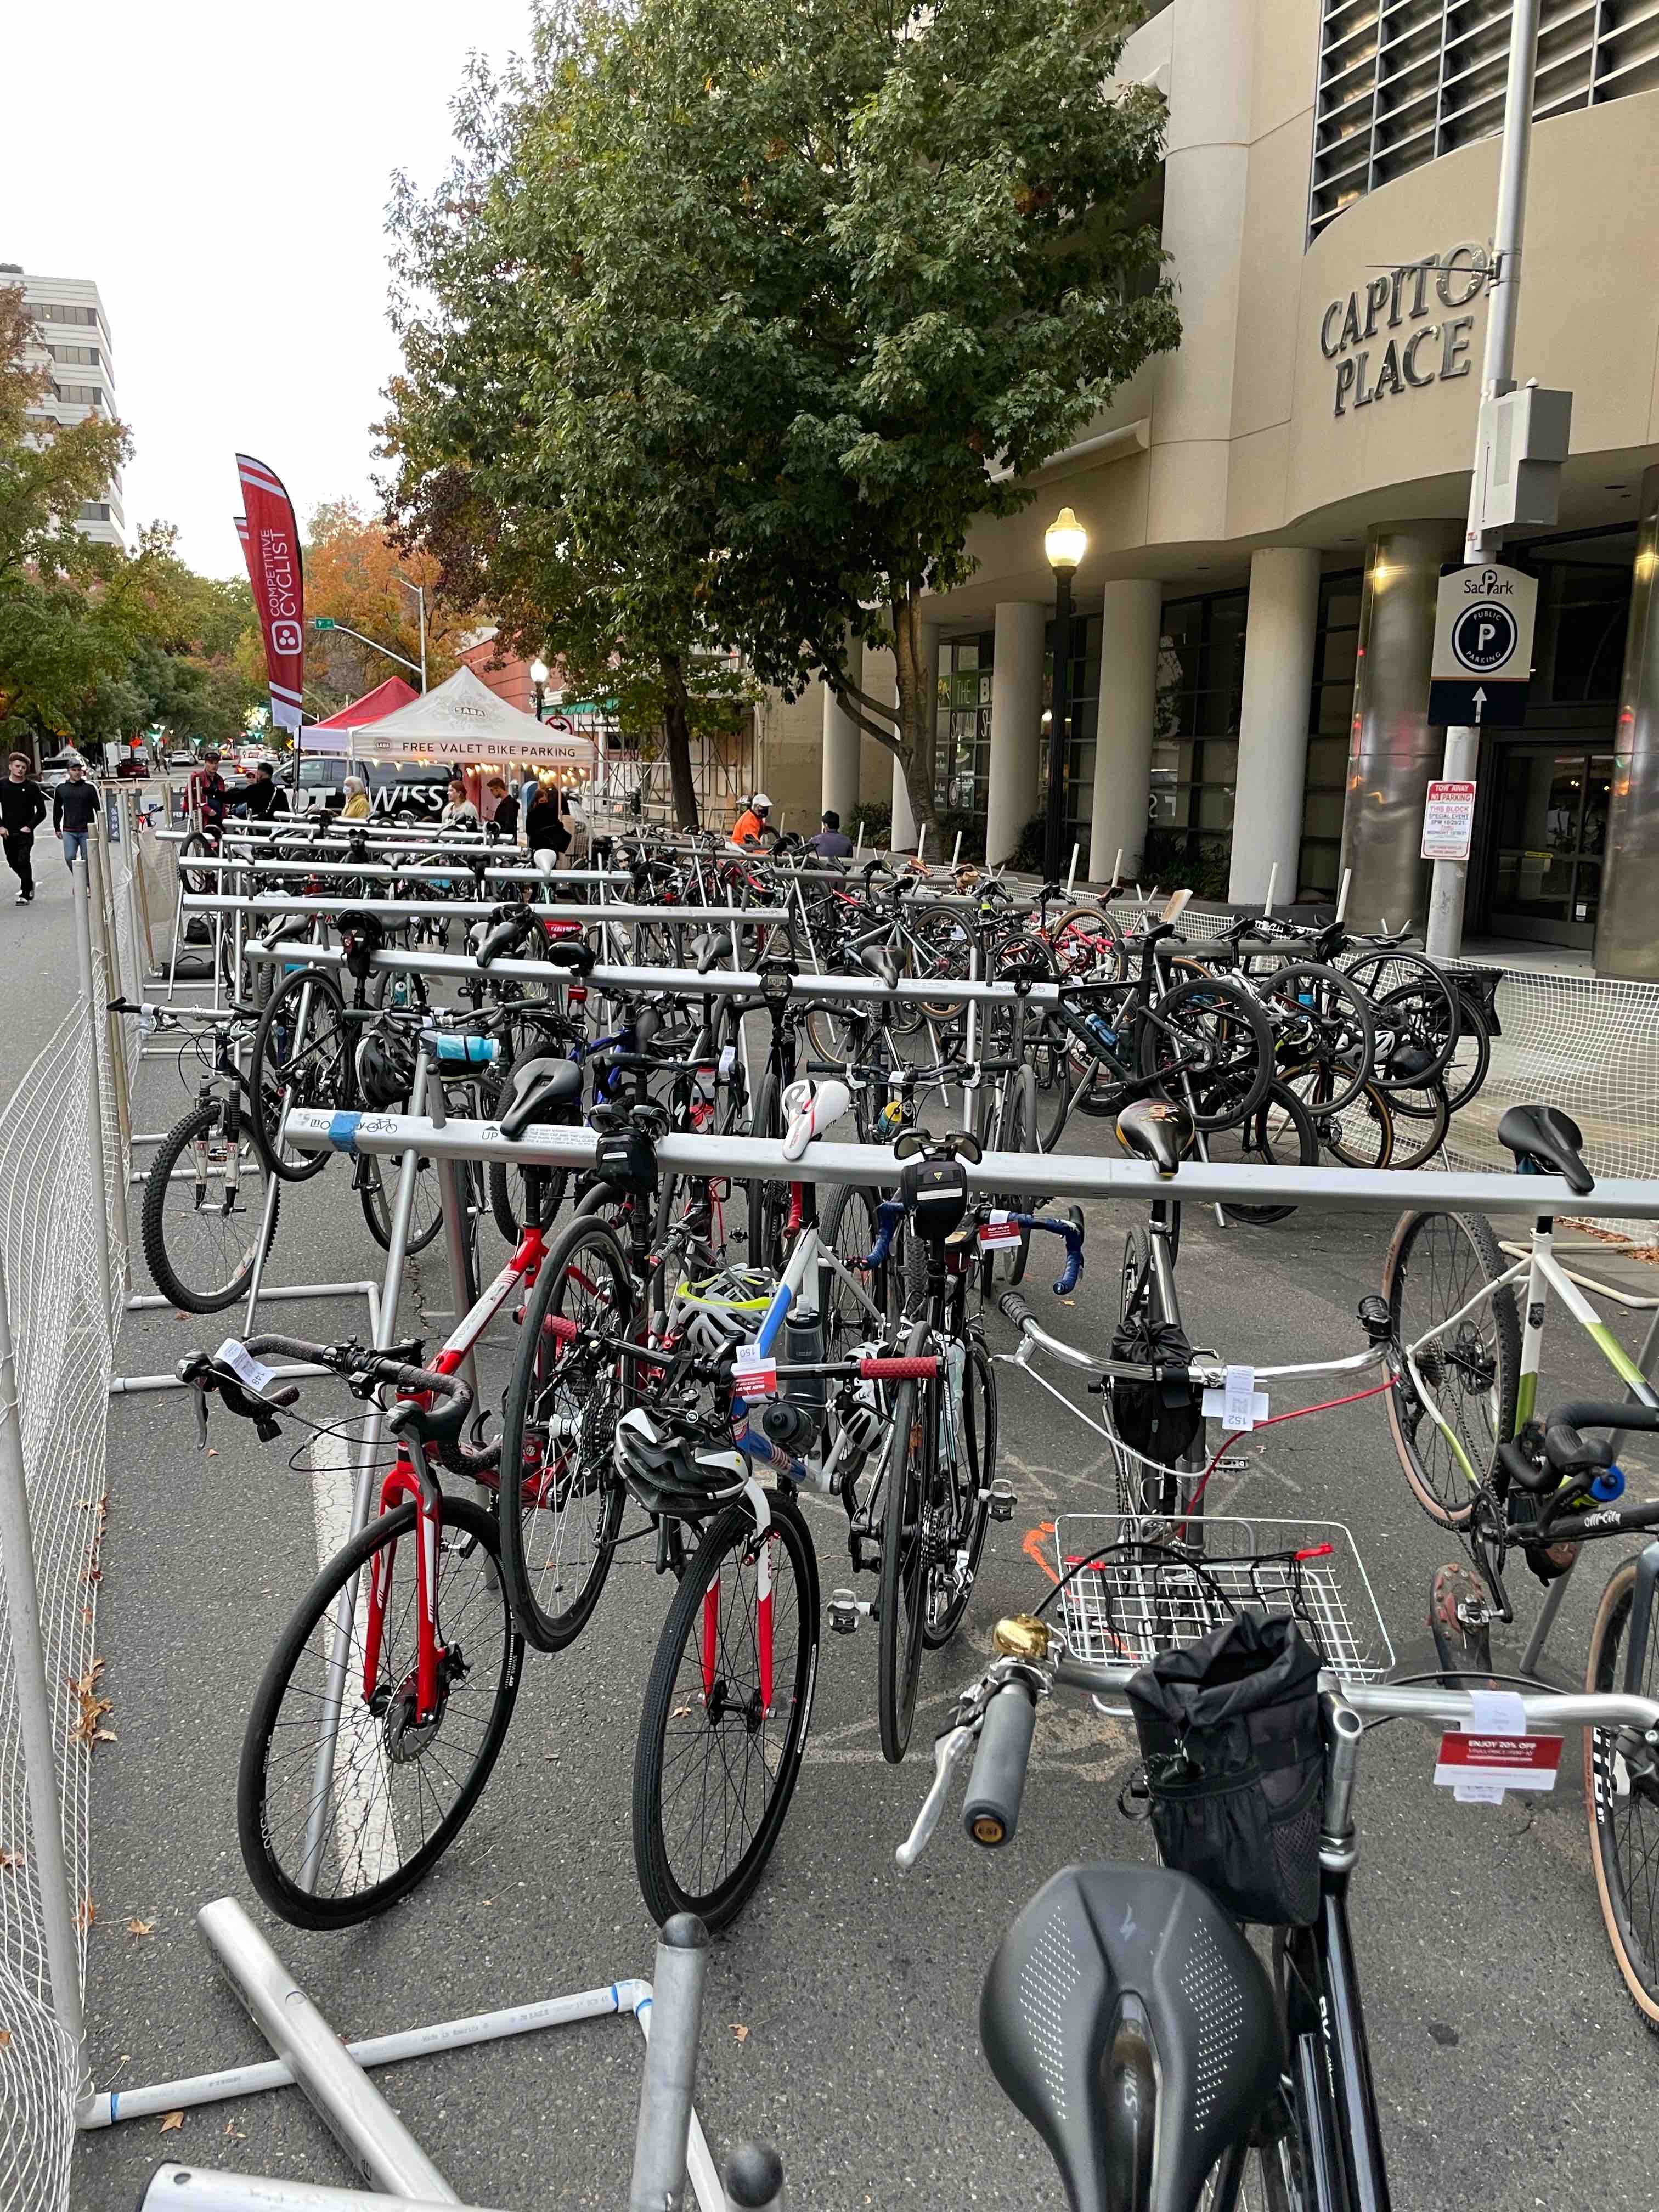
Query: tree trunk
<point x="915" y="710"/>
<point x="677" y="730"/>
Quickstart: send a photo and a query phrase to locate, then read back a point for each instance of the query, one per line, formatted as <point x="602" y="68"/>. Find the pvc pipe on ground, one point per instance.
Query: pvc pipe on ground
<point x="201" y="2189"/>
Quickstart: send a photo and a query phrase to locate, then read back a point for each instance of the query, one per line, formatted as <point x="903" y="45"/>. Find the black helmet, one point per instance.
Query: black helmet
<point x="676" y="1466"/>
<point x="386" y="1066"/>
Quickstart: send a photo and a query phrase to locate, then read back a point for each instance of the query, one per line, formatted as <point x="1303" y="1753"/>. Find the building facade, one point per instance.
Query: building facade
<point x="72" y="344"/>
<point x="1268" y="507"/>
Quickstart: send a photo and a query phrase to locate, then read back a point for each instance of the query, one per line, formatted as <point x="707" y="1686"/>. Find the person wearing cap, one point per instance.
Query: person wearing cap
<point x="212" y="792"/>
<point x="831" y="843"/>
<point x="264" y="796"/>
<point x="751" y="824"/>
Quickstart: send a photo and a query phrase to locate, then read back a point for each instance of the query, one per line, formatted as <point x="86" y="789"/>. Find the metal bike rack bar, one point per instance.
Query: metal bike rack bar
<point x="1065" y="1175"/>
<point x="203" y="2189"/>
<point x="670" y="2066"/>
<point x="275" y="903"/>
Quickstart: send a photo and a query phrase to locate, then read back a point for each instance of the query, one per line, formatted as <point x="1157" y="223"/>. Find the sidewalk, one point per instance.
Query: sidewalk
<point x="37" y="952"/>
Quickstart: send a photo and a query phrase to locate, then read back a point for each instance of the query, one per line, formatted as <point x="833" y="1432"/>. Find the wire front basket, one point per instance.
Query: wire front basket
<point x="1130" y="1590"/>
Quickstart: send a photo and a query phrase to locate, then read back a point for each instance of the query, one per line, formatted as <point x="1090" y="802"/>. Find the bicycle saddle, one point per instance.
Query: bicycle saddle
<point x="713" y="949"/>
<point x="571" y="952"/>
<point x="538" y="1092"/>
<point x="1156" y="1130"/>
<point x="1547" y="1141"/>
<point x="878" y="960"/>
<point x="1127" y="2018"/>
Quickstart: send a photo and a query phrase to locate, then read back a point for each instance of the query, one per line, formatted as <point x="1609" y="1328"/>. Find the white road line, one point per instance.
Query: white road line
<point x="362" y="1807"/>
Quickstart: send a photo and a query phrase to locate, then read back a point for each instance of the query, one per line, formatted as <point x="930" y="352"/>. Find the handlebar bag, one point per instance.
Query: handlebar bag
<point x="1161" y="1418"/>
<point x="1232" y="1735"/>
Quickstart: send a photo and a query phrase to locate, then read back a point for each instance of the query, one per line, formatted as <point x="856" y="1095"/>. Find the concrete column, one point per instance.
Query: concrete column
<point x="1627" y="926"/>
<point x="1130" y="623"/>
<point x="1011" y="795"/>
<point x="1272" y="731"/>
<point x="1393" y="753"/>
<point x="841" y="744"/>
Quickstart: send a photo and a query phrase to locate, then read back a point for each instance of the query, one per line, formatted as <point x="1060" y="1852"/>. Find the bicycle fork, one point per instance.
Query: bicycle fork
<point x="711" y="1604"/>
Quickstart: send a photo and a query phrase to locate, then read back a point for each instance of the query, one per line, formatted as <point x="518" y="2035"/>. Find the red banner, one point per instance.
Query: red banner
<point x="270" y="540"/>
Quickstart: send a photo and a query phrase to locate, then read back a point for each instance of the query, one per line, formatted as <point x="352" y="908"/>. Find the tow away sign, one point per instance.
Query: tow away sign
<point x="1483" y="627"/>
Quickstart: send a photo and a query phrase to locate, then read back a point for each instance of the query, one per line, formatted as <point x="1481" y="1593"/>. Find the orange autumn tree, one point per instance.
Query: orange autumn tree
<point x="352" y="574"/>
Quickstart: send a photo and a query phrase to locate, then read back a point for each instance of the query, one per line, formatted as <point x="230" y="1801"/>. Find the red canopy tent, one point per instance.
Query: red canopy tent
<point x="385" y="699"/>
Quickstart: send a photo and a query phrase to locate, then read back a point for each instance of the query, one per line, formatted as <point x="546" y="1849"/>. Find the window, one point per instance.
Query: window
<point x="962" y="751"/>
<point x="1200" y="689"/>
<point x="1330" y="711"/>
<point x="1084" y="714"/>
<point x="1583" y="611"/>
<point x="80" y="395"/>
<point x="80" y="357"/>
<point x="94" y="510"/>
<point x="1402" y="82"/>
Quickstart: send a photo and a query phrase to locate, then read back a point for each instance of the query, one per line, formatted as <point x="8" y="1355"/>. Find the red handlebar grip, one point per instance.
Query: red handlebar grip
<point x="921" y="1368"/>
<point x="560" y="1327"/>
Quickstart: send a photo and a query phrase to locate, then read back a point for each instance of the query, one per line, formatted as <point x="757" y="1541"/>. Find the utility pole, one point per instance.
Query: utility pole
<point x="1450" y="885"/>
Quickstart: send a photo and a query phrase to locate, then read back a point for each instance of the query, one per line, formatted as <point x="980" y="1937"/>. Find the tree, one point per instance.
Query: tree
<point x="778" y="302"/>
<point x="352" y="572"/>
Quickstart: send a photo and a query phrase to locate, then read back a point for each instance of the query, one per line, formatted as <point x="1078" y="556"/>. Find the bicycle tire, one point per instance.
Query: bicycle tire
<point x="1422" y="1119"/>
<point x="766" y="1200"/>
<point x="850" y="1220"/>
<point x="1454" y="1250"/>
<point x="263" y="1850"/>
<point x="1417" y="1021"/>
<point x="589" y="1390"/>
<point x="1240" y="1062"/>
<point x="1322" y="1014"/>
<point x="969" y="1501"/>
<point x="1362" y="1135"/>
<point x="909" y="1479"/>
<point x="1051" y="1065"/>
<point x="1103" y="958"/>
<point x="1623" y="1812"/>
<point x="426" y="1216"/>
<point x="325" y="1080"/>
<point x="1262" y="1140"/>
<point x="198" y="882"/>
<point x="1471" y="1061"/>
<point x="164" y="1263"/>
<point x="677" y="1692"/>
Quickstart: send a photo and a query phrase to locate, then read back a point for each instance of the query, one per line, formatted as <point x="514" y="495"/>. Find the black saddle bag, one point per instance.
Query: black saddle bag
<point x="1232" y="1735"/>
<point x="1161" y="1418"/>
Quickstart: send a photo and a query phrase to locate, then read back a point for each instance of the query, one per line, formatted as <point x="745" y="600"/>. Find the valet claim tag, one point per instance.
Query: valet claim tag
<point x="244" y="1366"/>
<point x="1001" y="1229"/>
<point x="753" y="1375"/>
<point x="1493" y="1752"/>
<point x="1240" y="1406"/>
<point x="728" y="1059"/>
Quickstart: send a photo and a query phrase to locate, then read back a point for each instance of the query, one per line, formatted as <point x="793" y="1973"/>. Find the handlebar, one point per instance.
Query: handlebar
<point x="1070" y="1228"/>
<point x="258" y="1402"/>
<point x="990" y="1813"/>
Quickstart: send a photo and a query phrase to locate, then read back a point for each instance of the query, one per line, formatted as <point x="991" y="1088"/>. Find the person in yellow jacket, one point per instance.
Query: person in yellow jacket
<point x="751" y="824"/>
<point x="356" y="800"/>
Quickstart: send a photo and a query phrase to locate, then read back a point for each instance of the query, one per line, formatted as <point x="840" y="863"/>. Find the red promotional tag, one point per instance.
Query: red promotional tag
<point x="1480" y="1768"/>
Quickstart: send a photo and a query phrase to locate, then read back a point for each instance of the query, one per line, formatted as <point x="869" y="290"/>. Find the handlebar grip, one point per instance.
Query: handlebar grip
<point x="1070" y="1272"/>
<point x="1013" y="1307"/>
<point x="990" y="1814"/>
<point x="1599" y="1414"/>
<point x="919" y="1367"/>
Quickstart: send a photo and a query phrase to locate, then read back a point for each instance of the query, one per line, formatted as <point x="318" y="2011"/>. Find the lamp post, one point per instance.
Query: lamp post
<point x="539" y="683"/>
<point x="1065" y="542"/>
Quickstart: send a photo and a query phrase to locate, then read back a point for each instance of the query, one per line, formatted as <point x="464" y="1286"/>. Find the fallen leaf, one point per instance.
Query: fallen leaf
<point x="739" y="2031"/>
<point x="9" y="1859"/>
<point x="682" y="1712"/>
<point x="141" y="1927"/>
<point x="234" y="2134"/>
<point x="87" y="1914"/>
<point x="5" y="2039"/>
<point x="213" y="1451"/>
<point x="170" y="2121"/>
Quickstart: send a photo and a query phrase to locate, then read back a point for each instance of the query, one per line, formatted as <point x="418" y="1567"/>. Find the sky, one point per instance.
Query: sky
<point x="221" y="172"/>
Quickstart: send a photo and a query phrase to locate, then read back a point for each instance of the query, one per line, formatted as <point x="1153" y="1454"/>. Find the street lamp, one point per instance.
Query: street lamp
<point x="538" y="682"/>
<point x="1065" y="542"/>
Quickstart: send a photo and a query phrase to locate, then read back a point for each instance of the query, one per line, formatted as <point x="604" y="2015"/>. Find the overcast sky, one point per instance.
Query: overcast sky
<point x="220" y="171"/>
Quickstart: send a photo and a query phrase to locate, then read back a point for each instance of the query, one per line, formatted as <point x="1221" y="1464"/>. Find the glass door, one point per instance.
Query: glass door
<point x="1550" y="837"/>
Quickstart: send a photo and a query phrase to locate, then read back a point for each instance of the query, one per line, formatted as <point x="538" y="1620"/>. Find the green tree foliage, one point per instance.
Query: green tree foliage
<point x="733" y="316"/>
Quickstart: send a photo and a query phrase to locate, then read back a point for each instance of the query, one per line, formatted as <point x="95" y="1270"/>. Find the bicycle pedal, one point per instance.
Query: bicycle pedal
<point x="1003" y="1501"/>
<point x="843" y="1613"/>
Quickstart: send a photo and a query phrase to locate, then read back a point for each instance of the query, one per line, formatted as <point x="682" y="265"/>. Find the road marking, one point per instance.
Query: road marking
<point x="361" y="1803"/>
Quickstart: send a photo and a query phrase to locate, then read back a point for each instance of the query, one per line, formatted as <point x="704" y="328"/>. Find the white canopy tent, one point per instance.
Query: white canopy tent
<point x="462" y="723"/>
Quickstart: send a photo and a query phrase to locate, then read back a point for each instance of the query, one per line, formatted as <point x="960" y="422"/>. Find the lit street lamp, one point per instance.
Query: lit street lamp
<point x="1065" y="542"/>
<point x="538" y="681"/>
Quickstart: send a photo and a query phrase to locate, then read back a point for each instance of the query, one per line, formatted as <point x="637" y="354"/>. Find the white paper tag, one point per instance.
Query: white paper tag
<point x="1219" y="1406"/>
<point x="728" y="1059"/>
<point x="146" y="1017"/>
<point x="242" y="1364"/>
<point x="1496" y="1712"/>
<point x="1238" y="1409"/>
<point x="754" y="1373"/>
<point x="999" y="1230"/>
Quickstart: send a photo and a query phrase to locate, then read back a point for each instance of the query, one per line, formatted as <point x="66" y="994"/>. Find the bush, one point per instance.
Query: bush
<point x="875" y="818"/>
<point x="1028" y="853"/>
<point x="950" y="820"/>
<point x="1176" y="859"/>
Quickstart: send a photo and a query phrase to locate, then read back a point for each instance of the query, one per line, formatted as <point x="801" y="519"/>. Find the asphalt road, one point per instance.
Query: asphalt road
<point x="841" y="2009"/>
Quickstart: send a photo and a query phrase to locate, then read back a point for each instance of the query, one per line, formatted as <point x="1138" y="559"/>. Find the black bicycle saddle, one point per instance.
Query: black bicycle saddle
<point x="878" y="960"/>
<point x="538" y="1092"/>
<point x="1158" y="1130"/>
<point x="1547" y="1141"/>
<point x="1127" y="2018"/>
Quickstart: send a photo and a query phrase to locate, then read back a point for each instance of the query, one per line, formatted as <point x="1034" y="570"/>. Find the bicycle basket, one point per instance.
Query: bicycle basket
<point x="1230" y="1732"/>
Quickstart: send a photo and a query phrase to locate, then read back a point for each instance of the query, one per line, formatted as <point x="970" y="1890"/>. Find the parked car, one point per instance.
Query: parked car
<point x="398" y="790"/>
<point x="182" y="760"/>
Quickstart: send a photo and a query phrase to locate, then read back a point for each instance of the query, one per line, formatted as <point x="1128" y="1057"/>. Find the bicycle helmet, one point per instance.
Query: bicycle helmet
<point x="720" y="1311"/>
<point x="675" y="1467"/>
<point x="386" y="1066"/>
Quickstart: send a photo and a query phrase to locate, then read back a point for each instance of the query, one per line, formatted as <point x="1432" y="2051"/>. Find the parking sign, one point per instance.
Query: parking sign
<point x="1482" y="646"/>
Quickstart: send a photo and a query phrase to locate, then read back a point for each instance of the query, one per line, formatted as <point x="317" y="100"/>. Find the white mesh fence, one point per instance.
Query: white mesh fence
<point x="63" y="1350"/>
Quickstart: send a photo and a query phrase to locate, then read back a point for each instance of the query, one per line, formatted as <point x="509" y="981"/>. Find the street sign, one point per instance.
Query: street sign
<point x="1482" y="665"/>
<point x="322" y="622"/>
<point x="1448" y="821"/>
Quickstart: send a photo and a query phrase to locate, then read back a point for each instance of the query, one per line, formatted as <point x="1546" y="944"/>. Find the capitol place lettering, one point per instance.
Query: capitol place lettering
<point x="1369" y="363"/>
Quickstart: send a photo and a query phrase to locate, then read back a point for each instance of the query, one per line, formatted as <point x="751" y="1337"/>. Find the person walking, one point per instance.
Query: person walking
<point x="831" y="843"/>
<point x="23" y="810"/>
<point x="751" y="824"/>
<point x="356" y="799"/>
<point x="505" y="820"/>
<point x="74" y="809"/>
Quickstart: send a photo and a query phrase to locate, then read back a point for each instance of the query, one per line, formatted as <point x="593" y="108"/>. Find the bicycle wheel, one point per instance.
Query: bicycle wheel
<point x="766" y="1200"/>
<point x="562" y="1500"/>
<point x="1466" y="1069"/>
<point x="1086" y="943"/>
<point x="959" y="1509"/>
<point x="377" y="1194"/>
<point x="1421" y="1119"/>
<point x="1209" y="1046"/>
<point x="849" y="1228"/>
<point x="912" y="1463"/>
<point x="205" y="1202"/>
<point x="1419" y="1017"/>
<point x="1050" y="1064"/>
<point x="198" y="882"/>
<point x="1319" y="1014"/>
<point x="507" y="1199"/>
<point x="1362" y="1135"/>
<point x="1468" y="1362"/>
<point x="302" y="1053"/>
<point x="1624" y="1806"/>
<point x="724" y="1720"/>
<point x="399" y="1790"/>
<point x="1280" y="1133"/>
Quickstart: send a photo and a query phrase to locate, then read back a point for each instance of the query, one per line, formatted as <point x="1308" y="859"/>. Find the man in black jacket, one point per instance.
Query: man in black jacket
<point x="23" y="810"/>
<point x="74" y="809"/>
<point x="263" y="797"/>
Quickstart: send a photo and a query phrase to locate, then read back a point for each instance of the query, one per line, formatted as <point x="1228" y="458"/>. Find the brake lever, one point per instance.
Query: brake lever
<point x="201" y="1420"/>
<point x="949" y="1751"/>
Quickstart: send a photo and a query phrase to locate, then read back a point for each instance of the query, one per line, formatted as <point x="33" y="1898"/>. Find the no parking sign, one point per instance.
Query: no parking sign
<point x="1483" y="627"/>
